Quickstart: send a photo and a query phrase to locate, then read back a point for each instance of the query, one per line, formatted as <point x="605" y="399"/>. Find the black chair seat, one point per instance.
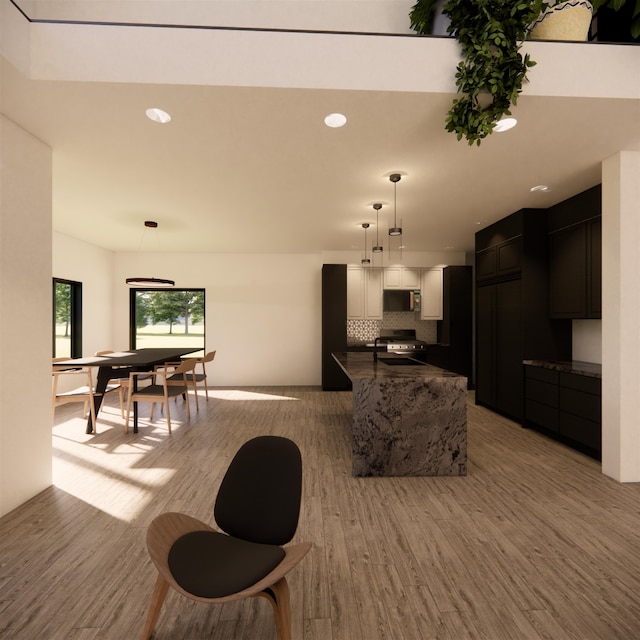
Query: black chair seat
<point x="158" y="390"/>
<point x="209" y="564"/>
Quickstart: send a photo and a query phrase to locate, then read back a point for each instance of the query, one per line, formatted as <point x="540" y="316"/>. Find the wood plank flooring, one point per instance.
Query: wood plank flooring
<point x="534" y="544"/>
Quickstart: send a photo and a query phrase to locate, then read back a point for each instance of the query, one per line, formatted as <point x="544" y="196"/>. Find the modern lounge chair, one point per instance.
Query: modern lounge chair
<point x="257" y="508"/>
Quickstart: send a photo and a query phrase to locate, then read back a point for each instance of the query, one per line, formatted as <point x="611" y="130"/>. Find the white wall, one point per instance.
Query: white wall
<point x="25" y="313"/>
<point x="587" y="340"/>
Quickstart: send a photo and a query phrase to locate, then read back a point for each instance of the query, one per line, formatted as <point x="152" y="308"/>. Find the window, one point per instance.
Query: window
<point x="160" y="318"/>
<point x="67" y="318"/>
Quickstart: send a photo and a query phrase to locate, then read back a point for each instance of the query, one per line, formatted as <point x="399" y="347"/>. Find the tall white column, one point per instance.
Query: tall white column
<point x="621" y="316"/>
<point x="25" y="315"/>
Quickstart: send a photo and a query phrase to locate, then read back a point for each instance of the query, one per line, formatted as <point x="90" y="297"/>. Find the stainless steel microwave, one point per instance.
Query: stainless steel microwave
<point x="400" y="300"/>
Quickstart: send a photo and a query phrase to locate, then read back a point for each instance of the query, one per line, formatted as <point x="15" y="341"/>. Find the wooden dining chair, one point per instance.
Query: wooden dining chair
<point x="72" y="376"/>
<point x="202" y="377"/>
<point x="160" y="390"/>
<point x="194" y="377"/>
<point x="175" y="378"/>
<point x="257" y="509"/>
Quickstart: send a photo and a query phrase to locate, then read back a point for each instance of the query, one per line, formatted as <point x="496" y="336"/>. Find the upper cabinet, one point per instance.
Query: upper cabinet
<point x="575" y="257"/>
<point x="503" y="259"/>
<point x="364" y="293"/>
<point x="402" y="278"/>
<point x="365" y="286"/>
<point x="431" y="294"/>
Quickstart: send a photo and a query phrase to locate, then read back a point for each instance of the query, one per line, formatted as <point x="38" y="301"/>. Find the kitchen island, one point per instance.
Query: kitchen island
<point x="409" y="418"/>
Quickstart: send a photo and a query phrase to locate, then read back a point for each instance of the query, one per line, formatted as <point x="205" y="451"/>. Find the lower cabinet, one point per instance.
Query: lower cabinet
<point x="564" y="404"/>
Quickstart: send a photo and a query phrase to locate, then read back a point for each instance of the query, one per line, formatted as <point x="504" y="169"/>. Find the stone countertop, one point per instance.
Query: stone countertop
<point x="361" y="365"/>
<point x="588" y="369"/>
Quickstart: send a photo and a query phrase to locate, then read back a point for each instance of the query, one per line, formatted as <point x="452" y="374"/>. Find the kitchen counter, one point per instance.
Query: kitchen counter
<point x="588" y="369"/>
<point x="407" y="420"/>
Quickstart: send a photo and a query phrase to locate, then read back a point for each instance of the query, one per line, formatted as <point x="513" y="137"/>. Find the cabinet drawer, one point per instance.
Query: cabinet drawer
<point x="542" y="392"/>
<point x="585" y="432"/>
<point x="539" y="373"/>
<point x="587" y="384"/>
<point x="583" y="405"/>
<point x="541" y="414"/>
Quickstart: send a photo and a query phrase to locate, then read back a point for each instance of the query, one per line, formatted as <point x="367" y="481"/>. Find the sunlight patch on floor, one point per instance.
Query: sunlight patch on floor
<point x="236" y="394"/>
<point x="84" y="467"/>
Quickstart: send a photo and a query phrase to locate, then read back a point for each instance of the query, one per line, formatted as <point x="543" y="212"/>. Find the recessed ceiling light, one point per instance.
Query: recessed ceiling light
<point x="335" y="120"/>
<point x="158" y="115"/>
<point x="505" y="124"/>
<point x="540" y="187"/>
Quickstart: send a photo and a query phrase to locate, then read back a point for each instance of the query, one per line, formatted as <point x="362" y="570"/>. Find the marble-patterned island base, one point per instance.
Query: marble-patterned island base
<point x="410" y="427"/>
<point x="408" y="419"/>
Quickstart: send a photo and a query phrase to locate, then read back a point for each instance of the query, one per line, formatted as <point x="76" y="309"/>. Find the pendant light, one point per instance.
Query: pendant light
<point x="395" y="230"/>
<point x="365" y="260"/>
<point x="378" y="248"/>
<point x="149" y="282"/>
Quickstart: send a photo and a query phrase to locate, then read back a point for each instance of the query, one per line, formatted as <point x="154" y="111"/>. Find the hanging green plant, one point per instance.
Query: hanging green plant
<point x="492" y="70"/>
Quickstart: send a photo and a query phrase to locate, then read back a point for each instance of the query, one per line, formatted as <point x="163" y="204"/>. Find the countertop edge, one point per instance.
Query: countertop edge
<point x="576" y="367"/>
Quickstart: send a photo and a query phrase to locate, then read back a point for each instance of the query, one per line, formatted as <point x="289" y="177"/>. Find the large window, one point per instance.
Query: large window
<point x="161" y="318"/>
<point x="67" y="318"/>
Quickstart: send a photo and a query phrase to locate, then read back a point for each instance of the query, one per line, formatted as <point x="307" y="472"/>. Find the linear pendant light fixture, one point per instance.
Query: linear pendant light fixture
<point x="365" y="260"/>
<point x="378" y="248"/>
<point x="395" y="230"/>
<point x="149" y="282"/>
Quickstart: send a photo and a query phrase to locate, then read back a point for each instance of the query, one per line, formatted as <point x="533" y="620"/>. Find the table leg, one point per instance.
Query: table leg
<point x="135" y="405"/>
<point x="104" y="375"/>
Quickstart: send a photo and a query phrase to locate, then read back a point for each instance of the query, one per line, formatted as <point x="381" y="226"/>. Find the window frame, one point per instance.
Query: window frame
<point x="75" y="314"/>
<point x="132" y="310"/>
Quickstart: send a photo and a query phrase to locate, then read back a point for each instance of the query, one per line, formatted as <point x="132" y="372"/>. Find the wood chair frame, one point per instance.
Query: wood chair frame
<point x="168" y="527"/>
<point x="84" y="393"/>
<point x="161" y="392"/>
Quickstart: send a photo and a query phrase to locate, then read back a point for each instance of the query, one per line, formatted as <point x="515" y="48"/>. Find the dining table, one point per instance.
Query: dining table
<point x="119" y="364"/>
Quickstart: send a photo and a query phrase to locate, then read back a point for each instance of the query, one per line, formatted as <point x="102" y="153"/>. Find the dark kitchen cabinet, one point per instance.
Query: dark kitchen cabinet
<point x="455" y="330"/>
<point x="541" y="398"/>
<point x="512" y="311"/>
<point x="499" y="347"/>
<point x="334" y="325"/>
<point x="566" y="406"/>
<point x="503" y="259"/>
<point x="575" y="257"/>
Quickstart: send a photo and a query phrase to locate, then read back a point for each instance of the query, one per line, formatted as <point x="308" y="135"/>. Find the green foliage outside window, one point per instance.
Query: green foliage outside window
<point x="168" y="318"/>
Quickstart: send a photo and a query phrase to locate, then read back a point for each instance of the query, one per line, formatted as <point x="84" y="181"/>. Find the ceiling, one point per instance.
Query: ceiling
<point x="251" y="170"/>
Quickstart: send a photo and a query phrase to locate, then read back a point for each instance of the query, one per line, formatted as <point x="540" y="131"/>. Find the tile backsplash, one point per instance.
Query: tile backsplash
<point x="359" y="331"/>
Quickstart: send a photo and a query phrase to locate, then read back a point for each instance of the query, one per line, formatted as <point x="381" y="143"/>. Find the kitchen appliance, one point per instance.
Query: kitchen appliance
<point x="398" y="341"/>
<point x="401" y="300"/>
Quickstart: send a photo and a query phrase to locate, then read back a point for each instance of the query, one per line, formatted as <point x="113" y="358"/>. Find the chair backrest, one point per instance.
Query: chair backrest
<point x="188" y="364"/>
<point x="208" y="358"/>
<point x="259" y="497"/>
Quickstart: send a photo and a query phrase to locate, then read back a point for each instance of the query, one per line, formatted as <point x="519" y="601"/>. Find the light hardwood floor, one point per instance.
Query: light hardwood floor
<point x="535" y="543"/>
